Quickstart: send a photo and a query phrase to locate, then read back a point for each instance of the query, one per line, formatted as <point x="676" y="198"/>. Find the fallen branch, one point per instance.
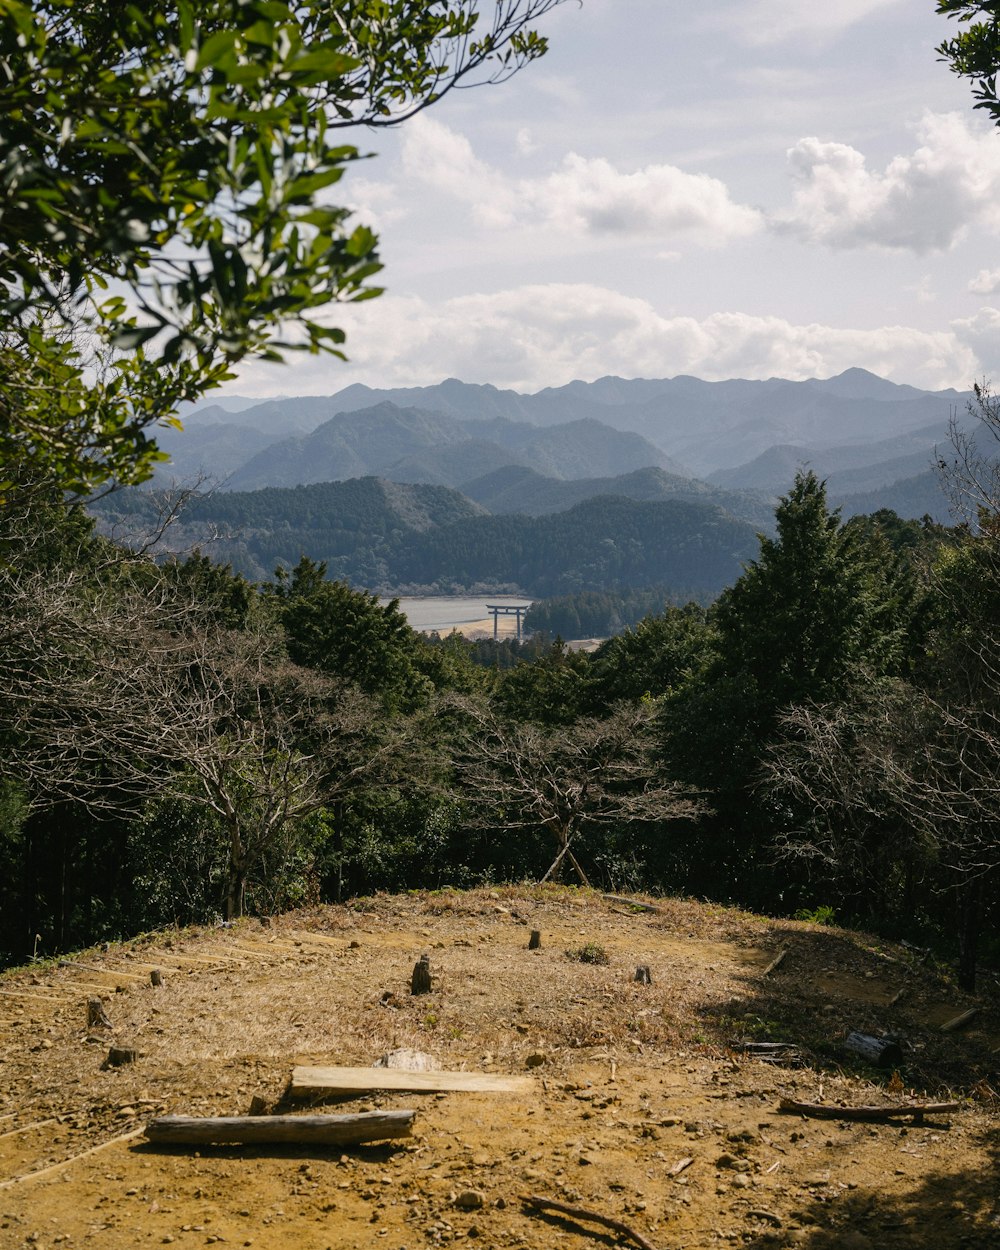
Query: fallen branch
<point x="56" y="1167"/>
<point x="679" y="1167"/>
<point x="26" y="1128"/>
<point x="630" y="902"/>
<point x="956" y="1022"/>
<point x="108" y="972"/>
<point x="579" y="1213"/>
<point x="762" y="1048"/>
<point x="43" y="998"/>
<point x="776" y="962"/>
<point x="828" y="1111"/>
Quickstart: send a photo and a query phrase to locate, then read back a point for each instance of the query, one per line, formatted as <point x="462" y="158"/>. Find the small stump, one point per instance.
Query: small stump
<point x="535" y="941"/>
<point x="642" y="975"/>
<point x="97" y="1017"/>
<point x="118" y="1056"/>
<point x="420" y="982"/>
<point x="156" y="977"/>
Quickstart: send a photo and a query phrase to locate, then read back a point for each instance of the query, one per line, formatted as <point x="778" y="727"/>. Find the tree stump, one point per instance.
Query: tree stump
<point x="118" y="1056"/>
<point x="156" y="977"/>
<point x="420" y="982"/>
<point x="535" y="941"/>
<point x="96" y="1015"/>
<point x="642" y="975"/>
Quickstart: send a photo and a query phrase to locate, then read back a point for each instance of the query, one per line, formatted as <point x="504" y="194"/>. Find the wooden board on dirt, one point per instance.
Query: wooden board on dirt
<point x="309" y="1082"/>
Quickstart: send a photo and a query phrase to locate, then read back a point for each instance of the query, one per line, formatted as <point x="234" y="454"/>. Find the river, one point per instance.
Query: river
<point x="467" y="614"/>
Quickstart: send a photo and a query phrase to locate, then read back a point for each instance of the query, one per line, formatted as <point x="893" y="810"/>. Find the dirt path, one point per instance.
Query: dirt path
<point x="630" y="1081"/>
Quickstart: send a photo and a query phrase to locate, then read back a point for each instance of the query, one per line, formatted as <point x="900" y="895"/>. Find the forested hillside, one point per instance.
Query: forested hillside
<point x="180" y="742"/>
<point x="386" y="536"/>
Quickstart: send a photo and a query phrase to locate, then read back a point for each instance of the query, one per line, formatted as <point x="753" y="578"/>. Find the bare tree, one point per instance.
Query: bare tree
<point x="564" y="780"/>
<point x="898" y="777"/>
<point x="970" y="471"/>
<point x="116" y="689"/>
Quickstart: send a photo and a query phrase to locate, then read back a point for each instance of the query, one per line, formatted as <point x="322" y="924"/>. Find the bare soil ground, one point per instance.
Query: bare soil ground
<point x="630" y="1080"/>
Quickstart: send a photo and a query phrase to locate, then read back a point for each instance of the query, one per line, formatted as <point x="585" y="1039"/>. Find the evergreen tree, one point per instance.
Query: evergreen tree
<point x="821" y="608"/>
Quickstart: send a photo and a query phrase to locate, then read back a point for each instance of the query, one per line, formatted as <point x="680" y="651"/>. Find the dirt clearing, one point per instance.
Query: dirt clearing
<point x="644" y="1105"/>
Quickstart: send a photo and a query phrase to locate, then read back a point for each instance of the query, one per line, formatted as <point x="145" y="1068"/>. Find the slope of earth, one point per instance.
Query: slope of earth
<point x="642" y="1107"/>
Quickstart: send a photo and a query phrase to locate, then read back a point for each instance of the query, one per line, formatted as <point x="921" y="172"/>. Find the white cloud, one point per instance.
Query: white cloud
<point x="981" y="335"/>
<point x="775" y="21"/>
<point x="525" y="142"/>
<point x="986" y="282"/>
<point x="373" y="204"/>
<point x="584" y="196"/>
<point x="548" y="334"/>
<point x="923" y="202"/>
<point x="590" y="196"/>
<point x="439" y="157"/>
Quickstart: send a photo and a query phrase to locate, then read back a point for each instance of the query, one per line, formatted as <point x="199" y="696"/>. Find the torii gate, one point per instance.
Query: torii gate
<point x="507" y="609"/>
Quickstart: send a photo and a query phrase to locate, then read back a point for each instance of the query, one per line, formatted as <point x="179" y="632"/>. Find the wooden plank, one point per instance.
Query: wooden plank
<point x="310" y="1081"/>
<point x="325" y="1130"/>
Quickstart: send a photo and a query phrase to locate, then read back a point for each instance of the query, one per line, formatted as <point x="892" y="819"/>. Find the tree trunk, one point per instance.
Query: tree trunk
<point x="234" y="891"/>
<point x="969" y="923"/>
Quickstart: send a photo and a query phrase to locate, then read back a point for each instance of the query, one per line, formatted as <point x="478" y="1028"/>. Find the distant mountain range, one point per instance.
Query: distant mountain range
<point x="859" y="431"/>
<point x="592" y="485"/>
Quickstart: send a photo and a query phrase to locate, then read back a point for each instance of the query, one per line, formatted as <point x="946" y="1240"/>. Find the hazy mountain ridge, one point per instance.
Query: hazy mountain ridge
<point x="913" y="450"/>
<point x="562" y="476"/>
<point x="696" y="427"/>
<point x="513" y="489"/>
<point x="418" y="444"/>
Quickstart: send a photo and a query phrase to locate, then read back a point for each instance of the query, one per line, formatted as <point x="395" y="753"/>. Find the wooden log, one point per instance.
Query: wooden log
<point x="97" y="1017"/>
<point x="317" y="1130"/>
<point x="880" y="1051"/>
<point x="156" y="977"/>
<point x="535" y="941"/>
<point x="310" y="1082"/>
<point x="958" y="1021"/>
<point x="643" y="975"/>
<point x="827" y="1111"/>
<point x="538" y="1203"/>
<point x="420" y="981"/>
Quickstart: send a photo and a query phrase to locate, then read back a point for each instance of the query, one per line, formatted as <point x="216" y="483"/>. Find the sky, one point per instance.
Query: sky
<point x="741" y="188"/>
